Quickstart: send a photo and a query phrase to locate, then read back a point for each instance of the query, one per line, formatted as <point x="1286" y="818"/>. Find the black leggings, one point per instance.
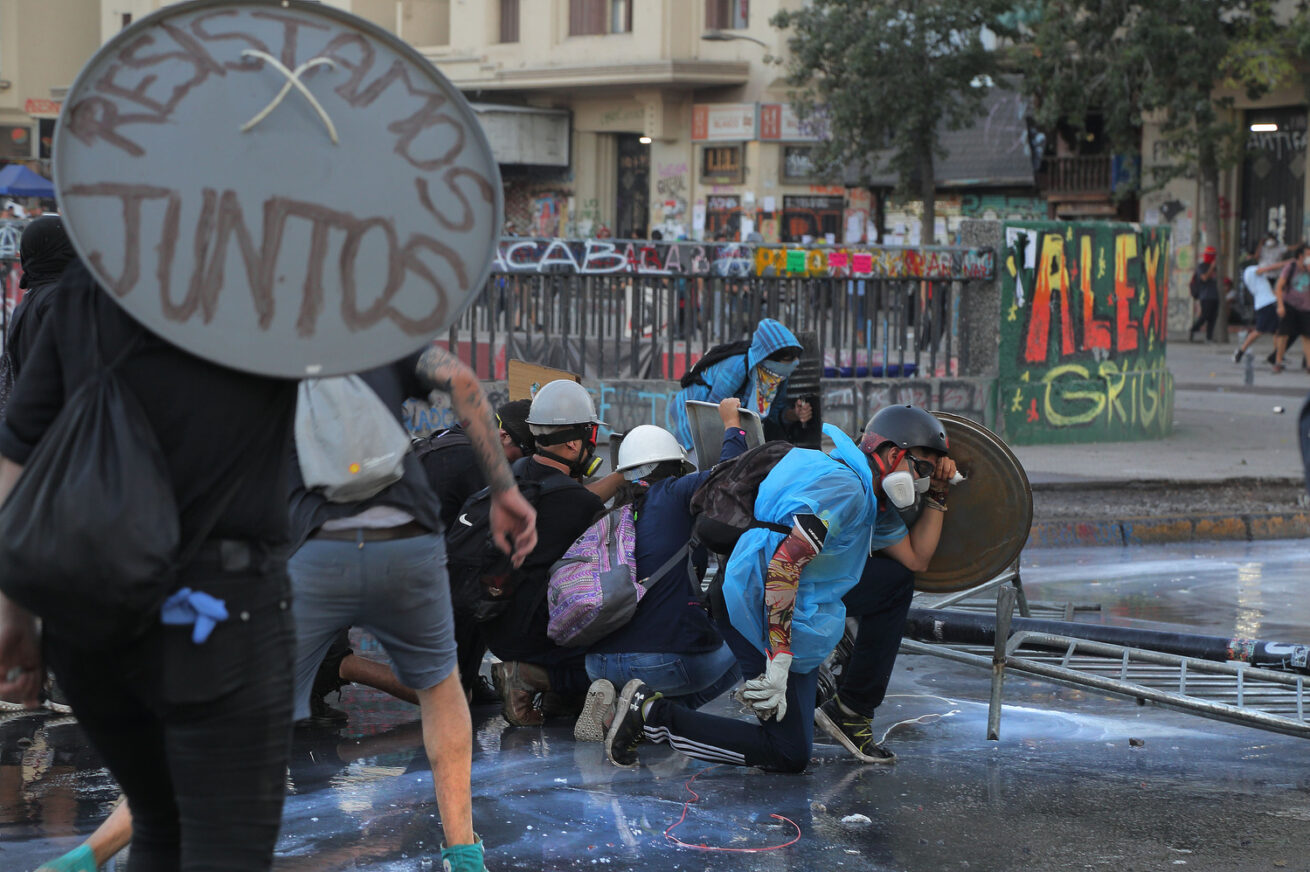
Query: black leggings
<point x="197" y="736"/>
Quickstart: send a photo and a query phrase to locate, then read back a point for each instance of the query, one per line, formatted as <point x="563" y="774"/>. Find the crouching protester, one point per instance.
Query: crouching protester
<point x="564" y="426"/>
<point x="895" y="436"/>
<point x="670" y="643"/>
<point x="783" y="595"/>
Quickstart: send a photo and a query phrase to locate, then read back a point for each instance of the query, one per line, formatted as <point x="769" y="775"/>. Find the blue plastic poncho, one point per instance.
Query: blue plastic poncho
<point x="841" y="493"/>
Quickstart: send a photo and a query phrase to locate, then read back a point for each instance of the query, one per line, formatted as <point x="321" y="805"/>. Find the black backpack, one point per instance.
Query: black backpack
<point x="696" y="375"/>
<point x="439" y="441"/>
<point x="482" y="578"/>
<point x="724" y="504"/>
<point x="90" y="538"/>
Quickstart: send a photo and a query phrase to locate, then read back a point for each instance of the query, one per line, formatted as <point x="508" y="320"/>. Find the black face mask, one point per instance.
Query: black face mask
<point x="44" y="250"/>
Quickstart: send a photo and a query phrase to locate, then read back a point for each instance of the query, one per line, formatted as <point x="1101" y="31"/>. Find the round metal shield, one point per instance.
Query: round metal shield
<point x="282" y="188"/>
<point x="990" y="513"/>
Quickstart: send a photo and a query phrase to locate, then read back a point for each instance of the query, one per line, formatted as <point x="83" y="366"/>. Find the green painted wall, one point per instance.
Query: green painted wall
<point x="1083" y="325"/>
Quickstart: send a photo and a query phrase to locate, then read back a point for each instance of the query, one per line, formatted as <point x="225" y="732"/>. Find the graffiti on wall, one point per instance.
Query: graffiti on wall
<point x="1084" y="316"/>
<point x="607" y="257"/>
<point x="670" y="215"/>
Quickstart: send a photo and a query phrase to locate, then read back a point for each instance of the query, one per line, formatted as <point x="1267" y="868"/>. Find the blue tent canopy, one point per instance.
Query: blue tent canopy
<point x="17" y="180"/>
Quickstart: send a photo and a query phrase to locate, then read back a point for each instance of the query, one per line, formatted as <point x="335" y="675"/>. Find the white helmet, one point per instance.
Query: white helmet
<point x="562" y="402"/>
<point x="644" y="447"/>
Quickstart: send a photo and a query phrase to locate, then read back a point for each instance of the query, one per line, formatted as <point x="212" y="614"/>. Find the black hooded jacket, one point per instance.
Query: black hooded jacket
<point x="45" y="250"/>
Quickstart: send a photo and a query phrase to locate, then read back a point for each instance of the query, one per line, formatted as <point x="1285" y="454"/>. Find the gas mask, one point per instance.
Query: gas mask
<point x="780" y="369"/>
<point x="587" y="463"/>
<point x="900" y="488"/>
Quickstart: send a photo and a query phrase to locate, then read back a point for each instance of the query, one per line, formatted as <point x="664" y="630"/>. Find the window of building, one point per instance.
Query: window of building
<point x="723" y="217"/>
<point x="811" y="217"/>
<point x="125" y="19"/>
<point x="15" y="141"/>
<point x="797" y="163"/>
<point x="586" y="17"/>
<point x="45" y="137"/>
<point x="425" y="22"/>
<point x="509" y="20"/>
<point x="620" y="16"/>
<point x="721" y="165"/>
<point x="726" y="14"/>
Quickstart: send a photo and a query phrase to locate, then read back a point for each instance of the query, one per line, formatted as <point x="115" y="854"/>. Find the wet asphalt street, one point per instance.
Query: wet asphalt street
<point x="1078" y="780"/>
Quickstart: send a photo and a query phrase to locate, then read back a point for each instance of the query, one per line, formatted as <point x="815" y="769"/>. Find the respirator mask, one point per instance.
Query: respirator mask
<point x="899" y="487"/>
<point x="587" y="463"/>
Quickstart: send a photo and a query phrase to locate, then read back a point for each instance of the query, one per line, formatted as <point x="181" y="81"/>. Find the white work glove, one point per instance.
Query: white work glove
<point x="767" y="695"/>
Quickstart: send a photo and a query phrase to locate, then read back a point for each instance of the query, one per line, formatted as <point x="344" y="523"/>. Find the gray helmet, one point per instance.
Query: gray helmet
<point x="562" y="402"/>
<point x="906" y="427"/>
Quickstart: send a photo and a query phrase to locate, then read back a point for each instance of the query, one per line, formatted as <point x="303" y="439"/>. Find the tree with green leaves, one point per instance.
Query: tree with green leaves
<point x="1179" y="62"/>
<point x="885" y="77"/>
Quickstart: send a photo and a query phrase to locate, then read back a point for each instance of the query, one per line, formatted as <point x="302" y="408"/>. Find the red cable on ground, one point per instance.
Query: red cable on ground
<point x="668" y="833"/>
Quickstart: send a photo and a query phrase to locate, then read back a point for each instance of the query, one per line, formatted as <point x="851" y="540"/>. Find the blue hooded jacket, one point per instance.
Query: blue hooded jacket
<point x="838" y="488"/>
<point x="735" y="377"/>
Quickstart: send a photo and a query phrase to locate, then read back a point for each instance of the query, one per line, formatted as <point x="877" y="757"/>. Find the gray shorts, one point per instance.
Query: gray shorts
<point x="395" y="589"/>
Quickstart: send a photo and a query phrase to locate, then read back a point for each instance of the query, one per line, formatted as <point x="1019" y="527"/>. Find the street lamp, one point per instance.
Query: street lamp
<point x="721" y="36"/>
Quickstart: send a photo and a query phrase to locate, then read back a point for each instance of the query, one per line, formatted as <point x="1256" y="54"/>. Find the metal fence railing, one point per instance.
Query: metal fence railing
<point x="648" y="309"/>
<point x="883" y="312"/>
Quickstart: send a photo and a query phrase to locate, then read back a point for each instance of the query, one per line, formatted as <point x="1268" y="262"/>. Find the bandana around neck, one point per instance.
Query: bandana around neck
<point x="766" y="389"/>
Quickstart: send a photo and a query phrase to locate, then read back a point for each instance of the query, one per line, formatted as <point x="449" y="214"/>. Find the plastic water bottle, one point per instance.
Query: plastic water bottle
<point x="1248" y="377"/>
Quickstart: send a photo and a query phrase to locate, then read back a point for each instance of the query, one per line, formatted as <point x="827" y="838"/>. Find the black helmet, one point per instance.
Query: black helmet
<point x="906" y="427"/>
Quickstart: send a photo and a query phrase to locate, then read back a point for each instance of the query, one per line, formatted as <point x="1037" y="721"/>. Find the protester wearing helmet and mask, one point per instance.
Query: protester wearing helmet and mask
<point x="783" y="594"/>
<point x="564" y="425"/>
<point x="670" y="642"/>
<point x="758" y="378"/>
<point x="907" y="449"/>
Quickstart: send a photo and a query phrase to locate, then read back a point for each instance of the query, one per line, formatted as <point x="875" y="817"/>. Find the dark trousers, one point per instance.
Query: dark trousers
<point x="197" y="736"/>
<point x="781" y="746"/>
<point x="881" y="603"/>
<point x="1209" y="311"/>
<point x="471" y="649"/>
<point x="520" y="634"/>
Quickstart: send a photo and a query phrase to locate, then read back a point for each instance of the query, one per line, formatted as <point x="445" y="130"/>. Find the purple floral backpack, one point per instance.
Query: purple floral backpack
<point x="593" y="588"/>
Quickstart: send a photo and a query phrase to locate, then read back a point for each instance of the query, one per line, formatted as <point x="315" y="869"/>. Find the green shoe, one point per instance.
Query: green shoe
<point x="463" y="858"/>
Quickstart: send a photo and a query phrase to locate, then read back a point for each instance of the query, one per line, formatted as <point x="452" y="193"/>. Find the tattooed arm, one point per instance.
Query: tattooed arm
<point x="784" y="575"/>
<point x="513" y="520"/>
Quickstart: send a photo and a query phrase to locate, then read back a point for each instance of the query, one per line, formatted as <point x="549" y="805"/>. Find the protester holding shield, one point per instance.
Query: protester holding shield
<point x="783" y="594"/>
<point x="222" y="202"/>
<point x="881" y="599"/>
<point x="756" y="371"/>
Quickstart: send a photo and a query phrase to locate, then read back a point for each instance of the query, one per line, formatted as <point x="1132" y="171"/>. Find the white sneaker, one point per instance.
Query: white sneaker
<point x="597" y="712"/>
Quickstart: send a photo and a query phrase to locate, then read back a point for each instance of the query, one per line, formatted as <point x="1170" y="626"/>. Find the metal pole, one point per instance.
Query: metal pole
<point x="1005" y="598"/>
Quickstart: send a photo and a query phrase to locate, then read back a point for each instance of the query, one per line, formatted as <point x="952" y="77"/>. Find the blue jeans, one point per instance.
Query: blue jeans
<point x="691" y="680"/>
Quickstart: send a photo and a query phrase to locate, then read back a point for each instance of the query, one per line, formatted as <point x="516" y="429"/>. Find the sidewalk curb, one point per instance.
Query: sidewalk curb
<point x="1148" y="484"/>
<point x="1150" y="531"/>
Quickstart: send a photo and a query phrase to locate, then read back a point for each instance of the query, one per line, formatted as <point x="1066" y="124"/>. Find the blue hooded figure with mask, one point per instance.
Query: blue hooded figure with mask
<point x="758" y="378"/>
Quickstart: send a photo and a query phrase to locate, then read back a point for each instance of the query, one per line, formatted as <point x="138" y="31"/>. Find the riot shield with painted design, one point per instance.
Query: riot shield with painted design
<point x="990" y="513"/>
<point x="707" y="431"/>
<point x="282" y="188"/>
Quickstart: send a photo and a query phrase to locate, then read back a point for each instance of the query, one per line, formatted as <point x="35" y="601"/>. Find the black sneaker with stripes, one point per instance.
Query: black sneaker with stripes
<point x="855" y="732"/>
<point x="628" y="729"/>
